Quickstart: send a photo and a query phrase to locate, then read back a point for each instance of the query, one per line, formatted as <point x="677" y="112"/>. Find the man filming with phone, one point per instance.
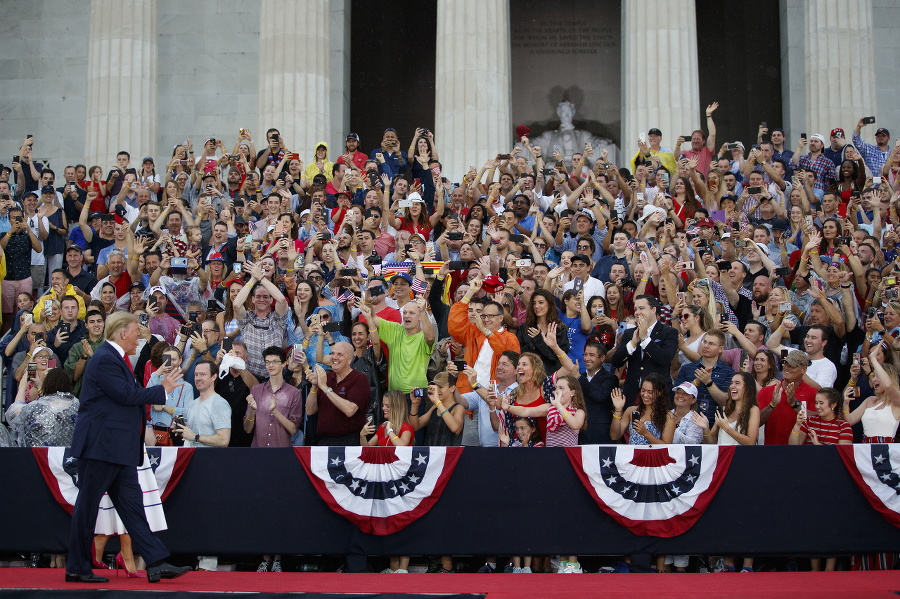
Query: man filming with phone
<point x="874" y="156"/>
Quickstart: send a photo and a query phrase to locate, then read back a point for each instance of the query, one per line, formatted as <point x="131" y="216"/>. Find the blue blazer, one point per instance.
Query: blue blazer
<point x="111" y="418"/>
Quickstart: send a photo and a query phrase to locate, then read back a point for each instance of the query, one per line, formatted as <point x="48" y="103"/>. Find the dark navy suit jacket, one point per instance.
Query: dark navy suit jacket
<point x="111" y="419"/>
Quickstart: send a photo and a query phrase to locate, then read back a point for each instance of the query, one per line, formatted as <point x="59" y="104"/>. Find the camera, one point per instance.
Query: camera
<point x="740" y="243"/>
<point x="869" y="120"/>
<point x="455" y="236"/>
<point x="782" y="272"/>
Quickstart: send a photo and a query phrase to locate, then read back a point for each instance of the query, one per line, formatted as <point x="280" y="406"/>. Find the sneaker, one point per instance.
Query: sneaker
<point x="576" y="568"/>
<point x="263" y="566"/>
<point x="276" y="566"/>
<point x="606" y="570"/>
<point x="718" y="565"/>
<point x="401" y="571"/>
<point x="443" y="570"/>
<point x="517" y="570"/>
<point x="526" y="570"/>
<point x="388" y="571"/>
<point x="747" y="570"/>
<point x="508" y="569"/>
<point x="487" y="569"/>
<point x="566" y="568"/>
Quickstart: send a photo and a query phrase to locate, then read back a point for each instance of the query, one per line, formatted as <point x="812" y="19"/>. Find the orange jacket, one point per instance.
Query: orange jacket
<point x="461" y="328"/>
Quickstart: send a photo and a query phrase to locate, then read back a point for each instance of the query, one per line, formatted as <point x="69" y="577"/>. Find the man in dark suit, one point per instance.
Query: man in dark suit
<point x="647" y="348"/>
<point x="108" y="442"/>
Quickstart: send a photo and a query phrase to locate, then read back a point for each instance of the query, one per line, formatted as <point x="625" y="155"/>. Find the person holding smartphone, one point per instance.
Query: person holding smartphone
<point x="17" y="244"/>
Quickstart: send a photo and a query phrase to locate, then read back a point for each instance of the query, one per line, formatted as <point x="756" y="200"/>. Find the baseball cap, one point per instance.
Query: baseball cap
<point x="797" y="358"/>
<point x="147" y="159"/>
<point x="493" y="284"/>
<point x="215" y="256"/>
<point x="705" y="222"/>
<point x="156" y="288"/>
<point x="884" y="131"/>
<point x="818" y="136"/>
<point x="837" y="131"/>
<point x="353" y="136"/>
<point x="75" y="247"/>
<point x="240" y="220"/>
<point x="655" y="131"/>
<point x="687" y="387"/>
<point x="138" y="285"/>
<point x="415" y="197"/>
<point x="41" y="348"/>
<point x="779" y="224"/>
<point x="581" y="258"/>
<point x="97" y="214"/>
<point x="402" y="275"/>
<point x="586" y="213"/>
<point x="47" y="189"/>
<point x="522" y="130"/>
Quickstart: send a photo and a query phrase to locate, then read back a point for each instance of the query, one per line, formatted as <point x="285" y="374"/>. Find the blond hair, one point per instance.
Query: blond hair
<point x="118" y="322"/>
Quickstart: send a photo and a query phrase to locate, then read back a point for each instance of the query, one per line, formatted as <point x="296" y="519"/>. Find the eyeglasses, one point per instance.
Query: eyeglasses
<point x="490" y="315"/>
<point x="273" y="362"/>
<point x="584" y="247"/>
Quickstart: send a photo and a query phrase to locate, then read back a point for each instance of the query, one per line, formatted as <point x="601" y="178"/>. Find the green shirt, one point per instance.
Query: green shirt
<point x="408" y="366"/>
<point x="75" y="353"/>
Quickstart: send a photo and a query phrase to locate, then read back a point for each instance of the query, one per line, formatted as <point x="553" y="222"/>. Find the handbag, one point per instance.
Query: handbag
<point x="162" y="436"/>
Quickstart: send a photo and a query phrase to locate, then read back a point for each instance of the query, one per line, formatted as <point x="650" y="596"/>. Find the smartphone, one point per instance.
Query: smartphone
<point x="784" y="354"/>
<point x="876" y="180"/>
<point x="151" y="301"/>
<point x="38" y="336"/>
<point x="803" y="135"/>
<point x="503" y="273"/>
<point x="754" y="190"/>
<point x="844" y="241"/>
<point x="315" y="319"/>
<point x="458" y="265"/>
<point x="523" y="262"/>
<point x="640" y="196"/>
<point x="680" y="296"/>
<point x="503" y="156"/>
<point x="873" y="312"/>
<point x="577" y="285"/>
<point x="723" y="318"/>
<point x="455" y="236"/>
<point x="689" y="265"/>
<point x="517" y="238"/>
<point x="185" y="330"/>
<point x="733" y="146"/>
<point x="349" y="272"/>
<point x="332" y="327"/>
<point x="856" y="359"/>
<point x="635" y="416"/>
<point x="803" y="408"/>
<point x="868" y="120"/>
<point x="32" y="368"/>
<point x="723" y="265"/>
<point x="227" y="344"/>
<point x="15" y="159"/>
<point x="237" y="268"/>
<point x="376" y="290"/>
<point x="144" y="319"/>
<point x="192" y="316"/>
<point x="419" y="392"/>
<point x="783" y="271"/>
<point x="809" y="221"/>
<point x="405" y="203"/>
<point x="460" y="365"/>
<point x="784" y="307"/>
<point x="167" y="361"/>
<point x="740" y="243"/>
<point x="212" y="306"/>
<point x="763" y="125"/>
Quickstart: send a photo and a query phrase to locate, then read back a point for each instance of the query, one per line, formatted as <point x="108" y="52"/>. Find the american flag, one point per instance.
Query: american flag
<point x="389" y="269"/>
<point x="253" y="225"/>
<point x="631" y="245"/>
<point x="419" y="286"/>
<point x="346" y="295"/>
<point x="693" y="230"/>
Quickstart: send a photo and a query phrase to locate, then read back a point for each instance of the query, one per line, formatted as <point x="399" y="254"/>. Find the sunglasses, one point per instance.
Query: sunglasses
<point x="685" y="316"/>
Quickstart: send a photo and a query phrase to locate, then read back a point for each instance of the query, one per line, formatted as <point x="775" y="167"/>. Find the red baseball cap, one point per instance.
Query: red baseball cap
<point x="838" y="131"/>
<point x="493" y="284"/>
<point x="705" y="222"/>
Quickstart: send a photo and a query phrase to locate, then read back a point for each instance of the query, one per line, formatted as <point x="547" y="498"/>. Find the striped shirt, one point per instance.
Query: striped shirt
<point x="559" y="433"/>
<point x="828" y="433"/>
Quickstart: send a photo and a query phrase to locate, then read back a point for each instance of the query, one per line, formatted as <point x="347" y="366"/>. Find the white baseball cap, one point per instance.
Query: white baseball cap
<point x="688" y="388"/>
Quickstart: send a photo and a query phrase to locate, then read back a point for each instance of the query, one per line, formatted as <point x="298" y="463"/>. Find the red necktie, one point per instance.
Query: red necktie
<point x="128" y="363"/>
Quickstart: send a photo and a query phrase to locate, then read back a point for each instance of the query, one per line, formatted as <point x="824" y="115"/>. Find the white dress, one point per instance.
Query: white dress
<point x="108" y="521"/>
<point x="725" y="438"/>
<point x="879" y="422"/>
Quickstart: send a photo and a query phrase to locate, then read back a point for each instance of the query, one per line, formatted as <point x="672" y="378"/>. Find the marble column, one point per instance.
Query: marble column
<point x="121" y="81"/>
<point x="839" y="51"/>
<point x="473" y="111"/>
<point x="660" y="80"/>
<point x="294" y="74"/>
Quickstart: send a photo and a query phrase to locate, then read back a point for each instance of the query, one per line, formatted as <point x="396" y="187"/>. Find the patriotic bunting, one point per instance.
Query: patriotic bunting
<point x="380" y="489"/>
<point x="658" y="492"/>
<point x="875" y="468"/>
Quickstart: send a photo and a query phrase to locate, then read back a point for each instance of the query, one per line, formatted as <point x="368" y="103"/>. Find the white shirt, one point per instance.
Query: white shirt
<point x="822" y="371"/>
<point x="630" y="348"/>
<point x="482" y="365"/>
<point x="37" y="258"/>
<point x="592" y="287"/>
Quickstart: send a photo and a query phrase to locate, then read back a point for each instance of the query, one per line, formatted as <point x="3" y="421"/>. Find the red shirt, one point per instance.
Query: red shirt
<point x="423" y="230"/>
<point x="828" y="433"/>
<point x="783" y="418"/>
<point x="385" y="441"/>
<point x="123" y="285"/>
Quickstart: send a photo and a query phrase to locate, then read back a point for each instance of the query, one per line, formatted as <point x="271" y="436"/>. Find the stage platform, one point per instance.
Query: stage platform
<point x="45" y="583"/>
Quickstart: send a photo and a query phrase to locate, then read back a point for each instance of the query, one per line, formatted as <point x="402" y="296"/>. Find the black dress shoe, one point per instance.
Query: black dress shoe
<point x="90" y="578"/>
<point x="165" y="570"/>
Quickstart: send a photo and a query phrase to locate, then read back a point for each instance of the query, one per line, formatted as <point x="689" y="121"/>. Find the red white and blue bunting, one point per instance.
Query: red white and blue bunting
<point x="875" y="468"/>
<point x="657" y="492"/>
<point x="380" y="489"/>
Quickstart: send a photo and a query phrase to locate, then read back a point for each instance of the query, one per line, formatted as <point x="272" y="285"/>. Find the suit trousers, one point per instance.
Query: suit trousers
<point x="97" y="477"/>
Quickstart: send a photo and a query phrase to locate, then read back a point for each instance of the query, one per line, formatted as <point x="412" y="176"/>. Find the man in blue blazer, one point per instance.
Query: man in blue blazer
<point x="108" y="442"/>
<point x="647" y="348"/>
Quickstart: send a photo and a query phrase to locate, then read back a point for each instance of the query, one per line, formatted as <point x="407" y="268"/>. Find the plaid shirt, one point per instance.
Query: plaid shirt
<point x="822" y="167"/>
<point x="874" y="157"/>
<point x="260" y="333"/>
<point x="721" y="377"/>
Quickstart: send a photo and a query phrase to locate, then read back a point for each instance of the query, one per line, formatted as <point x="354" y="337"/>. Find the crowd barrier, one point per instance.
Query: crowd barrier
<point x="774" y="500"/>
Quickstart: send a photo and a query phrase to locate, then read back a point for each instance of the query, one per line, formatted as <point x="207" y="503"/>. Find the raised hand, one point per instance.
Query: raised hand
<point x="618" y="399"/>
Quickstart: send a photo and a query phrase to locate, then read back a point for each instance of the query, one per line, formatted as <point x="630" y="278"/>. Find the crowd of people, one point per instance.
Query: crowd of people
<point x="701" y="293"/>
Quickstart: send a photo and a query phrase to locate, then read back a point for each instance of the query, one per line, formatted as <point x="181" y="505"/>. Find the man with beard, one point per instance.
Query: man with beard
<point x="235" y="181"/>
<point x="352" y="155"/>
<point x="825" y="316"/>
<point x="740" y="303"/>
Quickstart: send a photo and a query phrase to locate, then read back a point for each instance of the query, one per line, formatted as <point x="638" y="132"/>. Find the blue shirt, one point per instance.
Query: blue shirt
<point x="577" y="340"/>
<point x="721" y="377"/>
<point x="605" y="264"/>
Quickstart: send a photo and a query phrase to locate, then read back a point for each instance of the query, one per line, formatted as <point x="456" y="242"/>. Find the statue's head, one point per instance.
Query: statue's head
<point x="565" y="110"/>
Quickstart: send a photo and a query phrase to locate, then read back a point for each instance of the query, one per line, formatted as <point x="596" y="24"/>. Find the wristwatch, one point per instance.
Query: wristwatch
<point x="709" y="384"/>
<point x="196" y="437"/>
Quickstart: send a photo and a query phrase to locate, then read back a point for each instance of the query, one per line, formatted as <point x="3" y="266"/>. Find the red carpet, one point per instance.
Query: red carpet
<point x="872" y="585"/>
